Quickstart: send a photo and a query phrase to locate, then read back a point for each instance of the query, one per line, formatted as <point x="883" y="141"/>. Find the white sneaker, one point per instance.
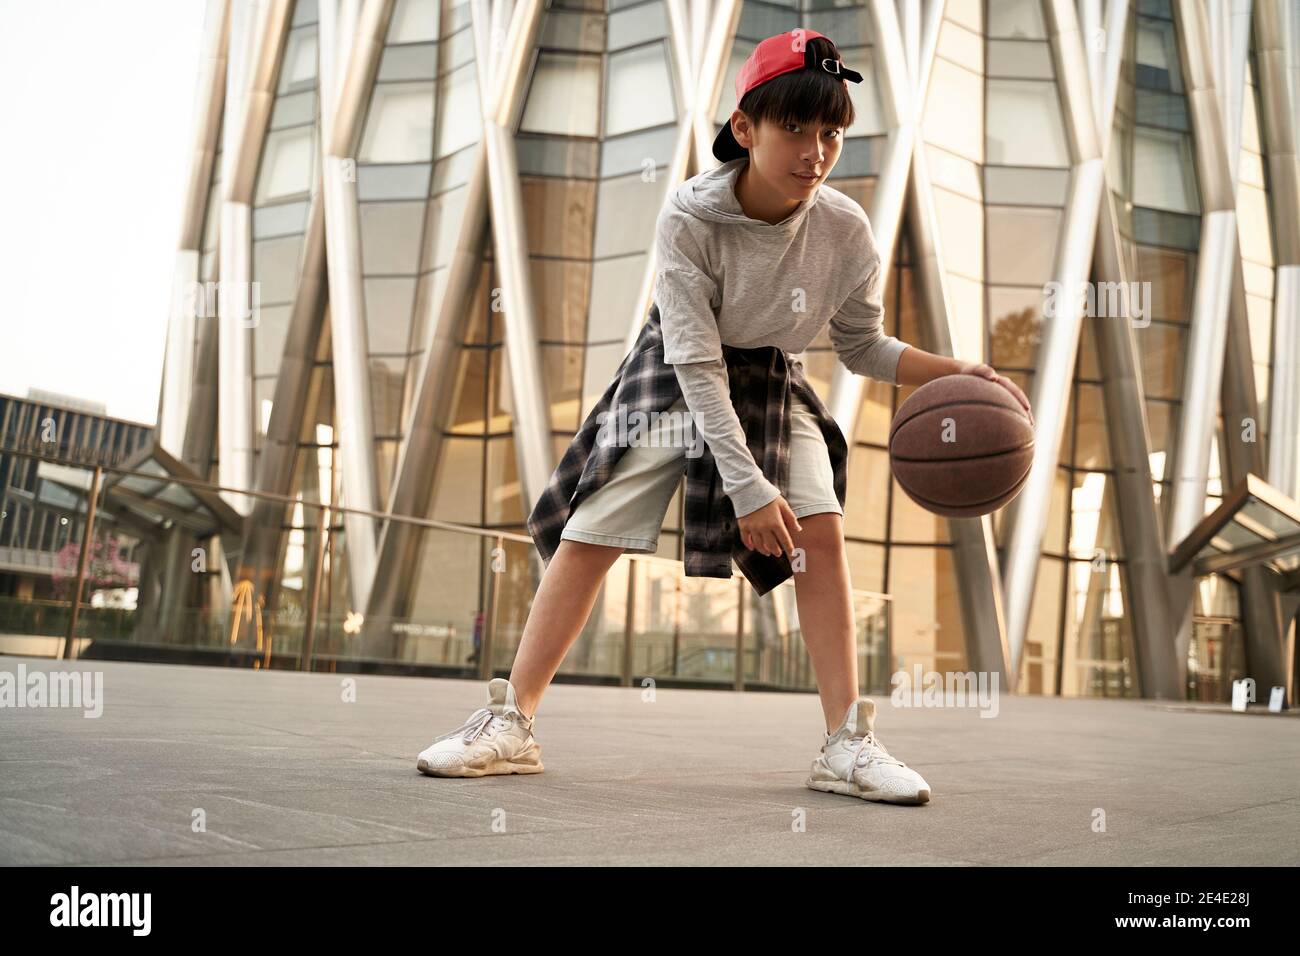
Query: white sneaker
<point x="853" y="762"/>
<point x="497" y="738"/>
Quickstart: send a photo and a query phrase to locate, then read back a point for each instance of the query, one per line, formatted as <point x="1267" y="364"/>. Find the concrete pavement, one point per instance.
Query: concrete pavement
<point x="281" y="769"/>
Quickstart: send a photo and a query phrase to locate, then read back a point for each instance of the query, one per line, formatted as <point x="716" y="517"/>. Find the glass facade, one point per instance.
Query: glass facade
<point x="594" y="128"/>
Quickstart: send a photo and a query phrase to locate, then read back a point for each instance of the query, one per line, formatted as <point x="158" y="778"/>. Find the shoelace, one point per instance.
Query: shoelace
<point x="875" y="752"/>
<point x="477" y="723"/>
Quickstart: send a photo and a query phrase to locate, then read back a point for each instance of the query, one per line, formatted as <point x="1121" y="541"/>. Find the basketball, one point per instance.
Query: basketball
<point x="961" y="446"/>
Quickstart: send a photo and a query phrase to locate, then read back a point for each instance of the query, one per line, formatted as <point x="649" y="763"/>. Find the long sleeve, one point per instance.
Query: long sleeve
<point x="857" y="331"/>
<point x="708" y="396"/>
<point x="684" y="292"/>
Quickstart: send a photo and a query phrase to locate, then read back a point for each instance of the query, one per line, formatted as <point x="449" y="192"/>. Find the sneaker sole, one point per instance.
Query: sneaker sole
<point x="500" y="767"/>
<point x="879" y="796"/>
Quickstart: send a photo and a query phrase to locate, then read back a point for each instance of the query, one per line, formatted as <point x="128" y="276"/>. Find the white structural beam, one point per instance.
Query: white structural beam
<point x="354" y="422"/>
<point x="1026" y="516"/>
<point x="178" y="363"/>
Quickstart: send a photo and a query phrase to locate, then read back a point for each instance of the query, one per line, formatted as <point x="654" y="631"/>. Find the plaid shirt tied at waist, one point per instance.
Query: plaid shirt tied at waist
<point x="761" y="382"/>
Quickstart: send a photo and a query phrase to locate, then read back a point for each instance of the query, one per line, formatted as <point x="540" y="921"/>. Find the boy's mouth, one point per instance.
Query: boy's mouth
<point x="806" y="178"/>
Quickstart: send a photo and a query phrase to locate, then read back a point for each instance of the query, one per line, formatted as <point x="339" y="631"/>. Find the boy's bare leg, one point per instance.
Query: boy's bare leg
<point x="563" y="603"/>
<point x="825" y="601"/>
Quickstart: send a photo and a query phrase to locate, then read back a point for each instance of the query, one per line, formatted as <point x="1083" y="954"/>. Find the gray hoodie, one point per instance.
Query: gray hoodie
<point x="725" y="279"/>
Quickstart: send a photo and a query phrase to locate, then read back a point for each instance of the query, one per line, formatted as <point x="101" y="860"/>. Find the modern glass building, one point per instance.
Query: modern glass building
<point x="48" y="444"/>
<point x="418" y="241"/>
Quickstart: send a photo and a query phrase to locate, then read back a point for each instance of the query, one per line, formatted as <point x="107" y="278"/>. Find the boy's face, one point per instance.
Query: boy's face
<point x="777" y="152"/>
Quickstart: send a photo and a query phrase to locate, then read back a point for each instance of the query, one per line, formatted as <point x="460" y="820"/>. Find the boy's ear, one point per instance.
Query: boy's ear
<point x="742" y="129"/>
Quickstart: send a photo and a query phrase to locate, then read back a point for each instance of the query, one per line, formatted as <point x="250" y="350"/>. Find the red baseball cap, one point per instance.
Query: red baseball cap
<point x="776" y="56"/>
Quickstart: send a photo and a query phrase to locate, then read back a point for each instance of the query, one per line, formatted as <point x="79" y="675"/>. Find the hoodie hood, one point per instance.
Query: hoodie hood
<point x="712" y="196"/>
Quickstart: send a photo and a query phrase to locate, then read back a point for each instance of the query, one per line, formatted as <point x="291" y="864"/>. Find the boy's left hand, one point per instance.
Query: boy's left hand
<point x="985" y="370"/>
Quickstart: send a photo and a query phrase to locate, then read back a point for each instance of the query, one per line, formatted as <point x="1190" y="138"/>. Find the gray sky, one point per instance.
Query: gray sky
<point x="97" y="107"/>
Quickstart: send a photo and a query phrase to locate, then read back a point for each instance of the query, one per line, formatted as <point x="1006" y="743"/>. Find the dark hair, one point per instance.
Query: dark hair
<point x="804" y="96"/>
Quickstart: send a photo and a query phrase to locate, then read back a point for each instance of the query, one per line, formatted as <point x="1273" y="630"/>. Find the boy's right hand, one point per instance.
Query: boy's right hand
<point x="767" y="530"/>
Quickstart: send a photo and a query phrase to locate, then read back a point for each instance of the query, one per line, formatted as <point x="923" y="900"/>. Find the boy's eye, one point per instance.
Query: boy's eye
<point x="794" y="127"/>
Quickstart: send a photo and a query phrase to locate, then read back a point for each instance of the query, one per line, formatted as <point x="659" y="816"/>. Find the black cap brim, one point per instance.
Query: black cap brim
<point x="725" y="147"/>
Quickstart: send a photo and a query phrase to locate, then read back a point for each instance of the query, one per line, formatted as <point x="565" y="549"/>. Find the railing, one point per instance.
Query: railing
<point x="472" y="591"/>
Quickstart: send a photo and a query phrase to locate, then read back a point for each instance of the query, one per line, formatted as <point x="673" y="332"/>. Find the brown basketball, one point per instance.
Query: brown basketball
<point x="961" y="446"/>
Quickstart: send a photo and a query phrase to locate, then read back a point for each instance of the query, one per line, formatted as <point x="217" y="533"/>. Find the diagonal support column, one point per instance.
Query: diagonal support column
<point x="257" y="33"/>
<point x="1217" y="259"/>
<point x="973" y="543"/>
<point x="505" y="100"/>
<point x="1026" y="516"/>
<point x="1279" y="133"/>
<point x="354" y="421"/>
<point x="178" y="366"/>
<point x="413" y="483"/>
<point x="845" y="400"/>
<point x="1138" y="517"/>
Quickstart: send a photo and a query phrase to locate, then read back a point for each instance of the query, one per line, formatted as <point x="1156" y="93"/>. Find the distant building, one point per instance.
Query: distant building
<point x="43" y="503"/>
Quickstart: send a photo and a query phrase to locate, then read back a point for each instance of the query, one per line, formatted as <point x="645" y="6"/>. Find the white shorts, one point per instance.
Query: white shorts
<point x="628" y="510"/>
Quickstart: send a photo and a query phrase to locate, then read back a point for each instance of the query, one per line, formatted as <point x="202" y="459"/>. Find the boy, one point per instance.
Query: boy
<point x="753" y="256"/>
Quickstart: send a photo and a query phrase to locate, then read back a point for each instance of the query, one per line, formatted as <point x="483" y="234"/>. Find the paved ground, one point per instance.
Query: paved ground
<point x="285" y="772"/>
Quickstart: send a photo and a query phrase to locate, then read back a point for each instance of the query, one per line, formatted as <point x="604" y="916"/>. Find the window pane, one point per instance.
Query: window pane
<point x="913" y="523"/>
<point x="387" y="379"/>
<point x="1029" y="187"/>
<point x="282" y="219"/>
<point x="1092" y="445"/>
<point x="869" y="119"/>
<point x="460" y="119"/>
<point x="626" y="210"/>
<point x="1016" y="19"/>
<point x="602" y="362"/>
<point x="275" y="269"/>
<point x="1012" y="58"/>
<point x="869" y="477"/>
<point x="298" y="71"/>
<point x="640" y="91"/>
<point x="866" y="565"/>
<point x="615" y="284"/>
<point x="1024" y="124"/>
<point x="268" y="338"/>
<point x="399" y="128"/>
<point x="1022" y="244"/>
<point x="288" y="164"/>
<point x="563" y="373"/>
<point x="390" y="237"/>
<point x="1161" y="349"/>
<point x="459" y="497"/>
<point x="927" y="610"/>
<point x="1162" y="171"/>
<point x="415" y="62"/>
<point x="295" y="110"/>
<point x="564" y="98"/>
<point x="1170" y="277"/>
<point x="504" y="498"/>
<point x="392" y="182"/>
<point x="414" y="20"/>
<point x="560" y="289"/>
<point x="574" y="30"/>
<point x="954" y="112"/>
<point x="388" y="314"/>
<point x="1015" y="326"/>
<point x="637" y="152"/>
<point x="646" y="21"/>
